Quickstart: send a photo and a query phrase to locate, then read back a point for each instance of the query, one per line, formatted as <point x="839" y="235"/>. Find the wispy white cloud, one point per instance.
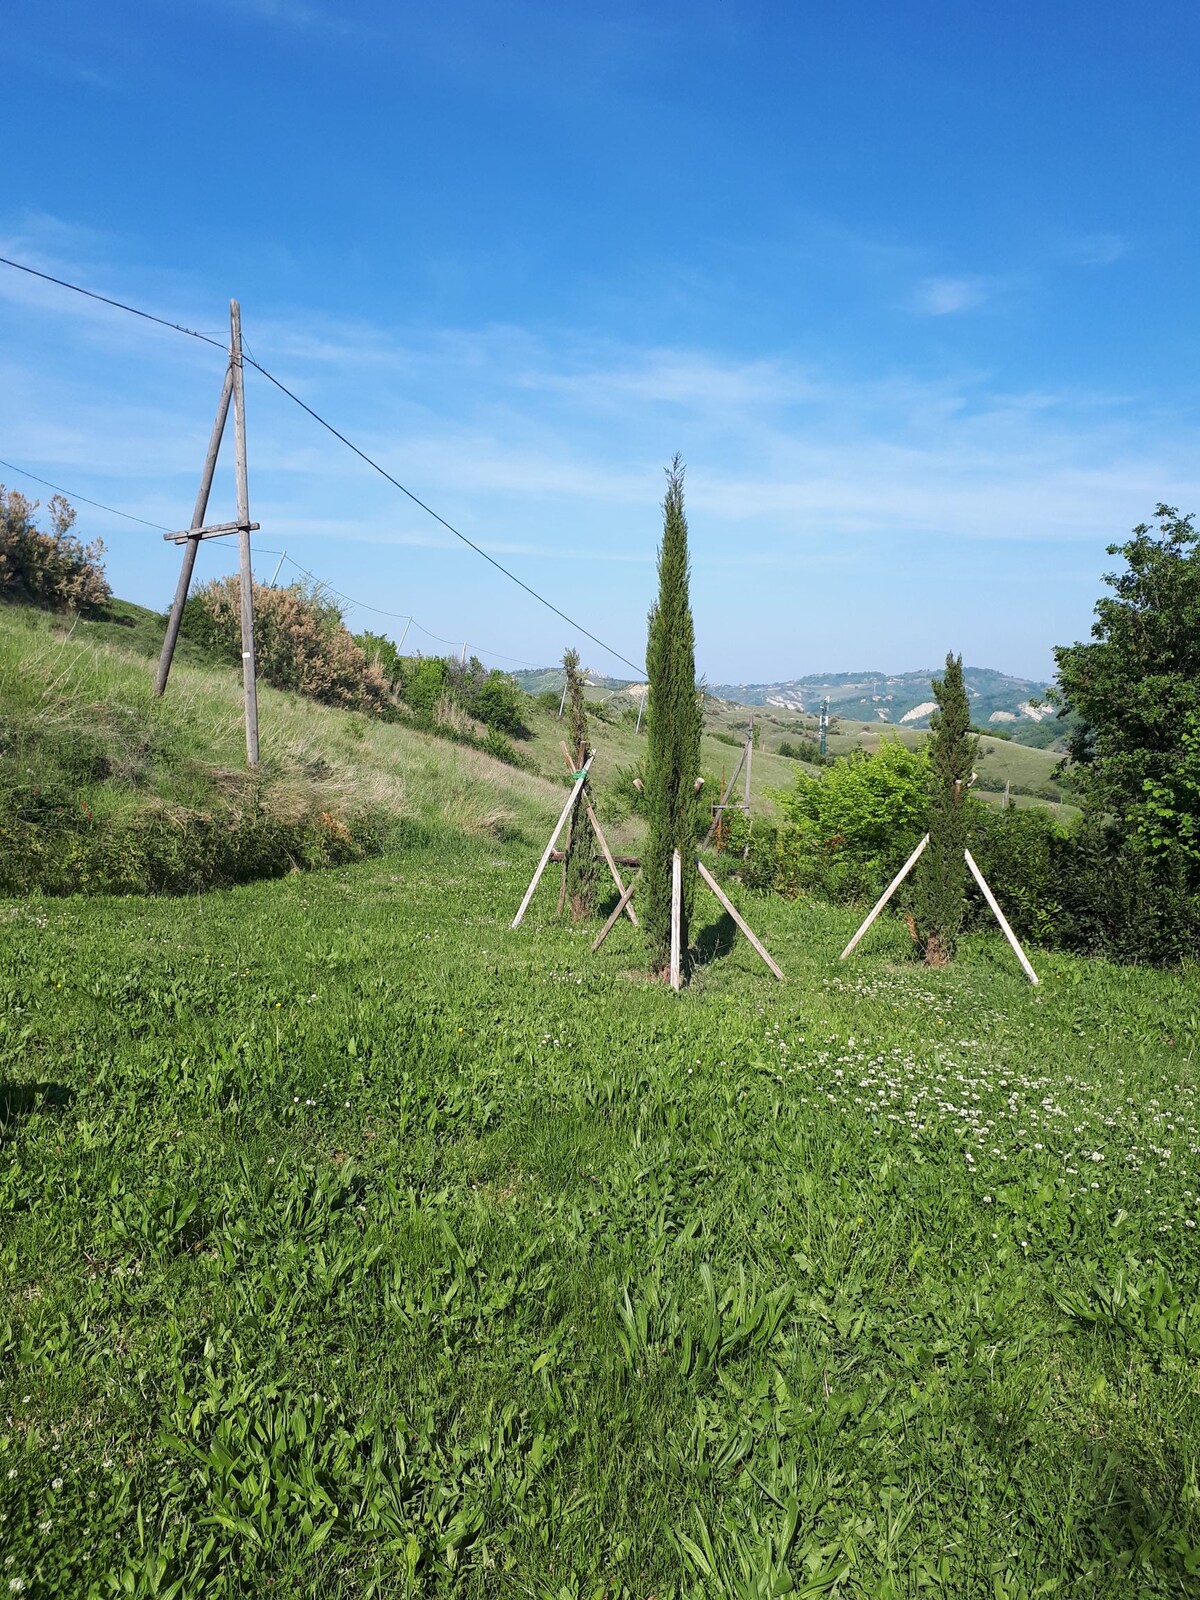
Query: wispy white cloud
<point x="305" y="15"/>
<point x="1095" y="249"/>
<point x="943" y="297"/>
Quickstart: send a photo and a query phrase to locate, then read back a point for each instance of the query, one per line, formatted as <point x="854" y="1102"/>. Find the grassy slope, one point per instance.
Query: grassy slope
<point x="90" y="693"/>
<point x="354" y="1243"/>
<point x="82" y="701"/>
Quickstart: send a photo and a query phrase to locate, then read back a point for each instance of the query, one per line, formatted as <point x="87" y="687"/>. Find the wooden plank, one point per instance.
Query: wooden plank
<point x="676" y="920"/>
<point x="558" y="828"/>
<point x="886" y="896"/>
<point x="189" y="555"/>
<point x="215" y="530"/>
<point x="737" y="916"/>
<point x="1001" y="918"/>
<point x="614" y="916"/>
<point x="622" y="861"/>
<point x="249" y="678"/>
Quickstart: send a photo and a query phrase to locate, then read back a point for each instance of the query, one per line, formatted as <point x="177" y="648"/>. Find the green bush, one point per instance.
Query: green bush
<point x="848" y="830"/>
<point x="50" y="569"/>
<point x="52" y="844"/>
<point x="300" y="642"/>
<point x="425" y="680"/>
<point x="498" y="703"/>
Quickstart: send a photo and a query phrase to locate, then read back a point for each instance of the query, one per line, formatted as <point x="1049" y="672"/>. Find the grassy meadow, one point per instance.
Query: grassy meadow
<point x="354" y="1244"/>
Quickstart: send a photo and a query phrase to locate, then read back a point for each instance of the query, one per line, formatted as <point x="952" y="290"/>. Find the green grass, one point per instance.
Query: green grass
<point x="355" y="1244"/>
<point x="102" y="785"/>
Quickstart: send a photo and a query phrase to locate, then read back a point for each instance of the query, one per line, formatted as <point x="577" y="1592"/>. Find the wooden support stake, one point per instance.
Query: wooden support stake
<point x="676" y="920"/>
<point x="249" y="680"/>
<point x="886" y="896"/>
<point x="189" y="552"/>
<point x="1001" y="918"/>
<point x="729" y="906"/>
<point x="615" y="914"/>
<point x="559" y="826"/>
<point x="612" y="861"/>
<point x="600" y="839"/>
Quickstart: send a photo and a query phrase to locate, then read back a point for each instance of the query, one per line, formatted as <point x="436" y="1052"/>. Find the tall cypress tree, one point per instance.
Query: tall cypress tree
<point x="941" y="879"/>
<point x="673" y="736"/>
<point x="582" y="865"/>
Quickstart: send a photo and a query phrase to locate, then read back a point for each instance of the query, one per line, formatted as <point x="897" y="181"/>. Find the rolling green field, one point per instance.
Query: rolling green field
<point x="354" y="1244"/>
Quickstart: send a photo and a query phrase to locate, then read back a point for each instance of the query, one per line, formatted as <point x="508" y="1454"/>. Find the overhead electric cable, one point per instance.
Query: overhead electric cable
<point x="119" y="305"/>
<point x="362" y="605"/>
<point x="71" y="495"/>
<point x="177" y="327"/>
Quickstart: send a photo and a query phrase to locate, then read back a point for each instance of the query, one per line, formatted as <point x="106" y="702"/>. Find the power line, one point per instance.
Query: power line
<point x="329" y="427"/>
<point x="71" y="495"/>
<point x="176" y="327"/>
<point x="395" y="616"/>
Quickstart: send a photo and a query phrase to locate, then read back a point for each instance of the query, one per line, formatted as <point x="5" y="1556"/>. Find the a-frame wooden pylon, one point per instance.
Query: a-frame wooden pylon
<point x="231" y="389"/>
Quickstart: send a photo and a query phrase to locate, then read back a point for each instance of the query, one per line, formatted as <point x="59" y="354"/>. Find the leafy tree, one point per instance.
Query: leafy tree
<point x="939" y="894"/>
<point x="1136" y="693"/>
<point x="582" y="866"/>
<point x="673" y="739"/>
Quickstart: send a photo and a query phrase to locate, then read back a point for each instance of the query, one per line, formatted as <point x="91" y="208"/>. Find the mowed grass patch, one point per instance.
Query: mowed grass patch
<point x="355" y="1244"/>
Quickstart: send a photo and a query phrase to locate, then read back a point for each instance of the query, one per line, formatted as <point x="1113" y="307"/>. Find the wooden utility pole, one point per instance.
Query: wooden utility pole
<point x="232" y="388"/>
<point x="194" y="536"/>
<point x="249" y="684"/>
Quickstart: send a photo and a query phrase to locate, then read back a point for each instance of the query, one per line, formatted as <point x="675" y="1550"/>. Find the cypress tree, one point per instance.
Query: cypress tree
<point x="673" y="735"/>
<point x="582" y="865"/>
<point x="941" y="878"/>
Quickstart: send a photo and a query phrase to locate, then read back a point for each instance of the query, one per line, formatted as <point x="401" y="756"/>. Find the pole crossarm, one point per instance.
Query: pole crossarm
<point x="215" y="530"/>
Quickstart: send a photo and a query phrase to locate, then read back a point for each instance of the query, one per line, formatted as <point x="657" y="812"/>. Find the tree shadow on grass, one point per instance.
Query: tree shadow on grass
<point x="714" y="941"/>
<point x="19" y="1100"/>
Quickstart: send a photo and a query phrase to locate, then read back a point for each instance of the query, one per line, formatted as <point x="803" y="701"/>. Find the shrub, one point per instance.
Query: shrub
<point x="381" y="650"/>
<point x="50" y="569"/>
<point x="425" y="680"/>
<point x="300" y="642"/>
<point x="498" y="703"/>
<point x="847" y="831"/>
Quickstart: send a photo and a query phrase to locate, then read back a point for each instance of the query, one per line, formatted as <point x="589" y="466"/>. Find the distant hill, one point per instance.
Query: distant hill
<point x="899" y="699"/>
<point x="540" y="679"/>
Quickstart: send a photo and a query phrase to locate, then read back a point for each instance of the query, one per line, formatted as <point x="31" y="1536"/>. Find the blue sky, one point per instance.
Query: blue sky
<point x="911" y="288"/>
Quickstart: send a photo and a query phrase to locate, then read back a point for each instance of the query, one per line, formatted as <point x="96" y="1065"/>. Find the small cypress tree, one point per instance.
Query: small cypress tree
<point x="582" y="866"/>
<point x="939" y="894"/>
<point x="673" y="736"/>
